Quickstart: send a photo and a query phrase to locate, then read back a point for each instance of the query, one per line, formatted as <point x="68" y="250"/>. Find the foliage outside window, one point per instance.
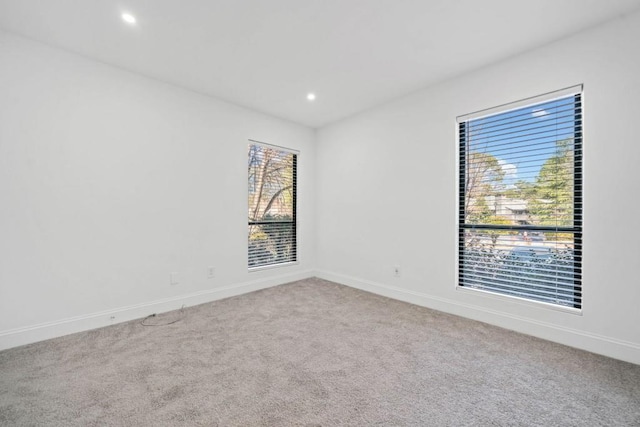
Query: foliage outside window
<point x="520" y="198"/>
<point x="271" y="205"/>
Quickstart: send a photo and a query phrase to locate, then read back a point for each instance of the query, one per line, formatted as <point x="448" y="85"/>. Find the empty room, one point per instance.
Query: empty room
<point x="319" y="213"/>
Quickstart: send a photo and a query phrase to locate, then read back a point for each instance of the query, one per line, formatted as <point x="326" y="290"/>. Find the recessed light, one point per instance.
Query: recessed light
<point x="311" y="96"/>
<point x="128" y="18"/>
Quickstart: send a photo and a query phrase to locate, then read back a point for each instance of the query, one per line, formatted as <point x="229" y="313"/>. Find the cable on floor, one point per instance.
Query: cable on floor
<point x="182" y="315"/>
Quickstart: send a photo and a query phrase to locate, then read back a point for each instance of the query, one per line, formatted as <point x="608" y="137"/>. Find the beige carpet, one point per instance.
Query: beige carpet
<point x="312" y="353"/>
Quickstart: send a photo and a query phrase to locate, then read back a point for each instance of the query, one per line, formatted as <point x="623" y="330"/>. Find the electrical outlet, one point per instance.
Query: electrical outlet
<point x="396" y="271"/>
<point x="211" y="272"/>
<point x="174" y="278"/>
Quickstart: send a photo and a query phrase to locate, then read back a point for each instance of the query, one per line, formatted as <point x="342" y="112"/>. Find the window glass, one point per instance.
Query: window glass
<point x="520" y="197"/>
<point x="271" y="205"/>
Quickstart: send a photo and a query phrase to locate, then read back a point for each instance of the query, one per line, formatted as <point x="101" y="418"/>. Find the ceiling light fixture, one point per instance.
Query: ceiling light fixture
<point x="311" y="97"/>
<point x="128" y="18"/>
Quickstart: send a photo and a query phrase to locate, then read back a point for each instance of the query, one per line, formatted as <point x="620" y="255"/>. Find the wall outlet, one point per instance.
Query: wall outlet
<point x="211" y="272"/>
<point x="396" y="271"/>
<point x="174" y="278"/>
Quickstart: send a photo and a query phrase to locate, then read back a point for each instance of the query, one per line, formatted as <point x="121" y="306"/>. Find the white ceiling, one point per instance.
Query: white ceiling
<point x="268" y="54"/>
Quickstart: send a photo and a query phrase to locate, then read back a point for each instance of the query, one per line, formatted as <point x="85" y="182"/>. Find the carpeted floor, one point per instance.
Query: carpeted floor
<point x="312" y="353"/>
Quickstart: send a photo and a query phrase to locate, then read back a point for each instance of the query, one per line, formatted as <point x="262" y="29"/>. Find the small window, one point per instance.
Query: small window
<point x="520" y="199"/>
<point x="272" y="205"/>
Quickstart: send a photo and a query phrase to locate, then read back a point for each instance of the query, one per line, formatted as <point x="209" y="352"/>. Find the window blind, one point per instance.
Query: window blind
<point x="272" y="183"/>
<point x="520" y="200"/>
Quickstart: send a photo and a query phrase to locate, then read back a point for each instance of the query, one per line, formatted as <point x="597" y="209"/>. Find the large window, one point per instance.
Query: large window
<point x="272" y="205"/>
<point x="520" y="199"/>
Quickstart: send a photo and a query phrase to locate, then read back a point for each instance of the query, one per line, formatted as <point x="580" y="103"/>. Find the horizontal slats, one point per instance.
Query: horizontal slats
<point x="545" y="276"/>
<point x="565" y="289"/>
<point x="272" y="205"/>
<point x="559" y="299"/>
<point x="541" y="146"/>
<point x="515" y="121"/>
<point x="272" y="243"/>
<point x="526" y="133"/>
<point x="500" y="114"/>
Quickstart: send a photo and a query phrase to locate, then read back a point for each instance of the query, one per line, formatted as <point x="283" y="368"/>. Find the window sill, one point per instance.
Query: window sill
<point x="272" y="266"/>
<point x="519" y="300"/>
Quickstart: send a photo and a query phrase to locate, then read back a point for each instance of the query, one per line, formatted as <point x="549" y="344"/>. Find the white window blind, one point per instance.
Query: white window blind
<point x="520" y="199"/>
<point x="271" y="205"/>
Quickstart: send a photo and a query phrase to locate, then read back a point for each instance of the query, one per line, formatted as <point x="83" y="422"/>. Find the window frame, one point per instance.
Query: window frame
<point x="578" y="194"/>
<point x="294" y="258"/>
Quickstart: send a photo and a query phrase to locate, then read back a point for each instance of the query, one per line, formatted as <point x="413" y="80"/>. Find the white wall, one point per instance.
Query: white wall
<point x="109" y="181"/>
<point x="387" y="191"/>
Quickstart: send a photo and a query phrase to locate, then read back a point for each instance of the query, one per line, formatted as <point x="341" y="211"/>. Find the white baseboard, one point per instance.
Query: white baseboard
<point x="30" y="334"/>
<point x="611" y="347"/>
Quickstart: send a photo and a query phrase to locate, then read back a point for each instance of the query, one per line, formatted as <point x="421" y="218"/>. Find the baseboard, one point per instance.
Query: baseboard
<point x="610" y="347"/>
<point x="43" y="331"/>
